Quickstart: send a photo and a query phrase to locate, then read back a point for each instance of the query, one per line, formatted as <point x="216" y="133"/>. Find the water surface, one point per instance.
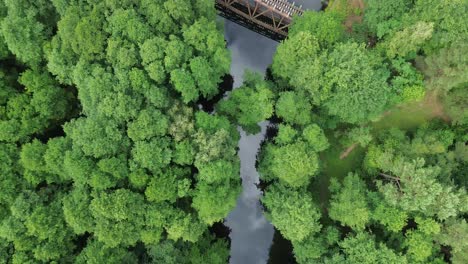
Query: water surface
<point x="251" y="234"/>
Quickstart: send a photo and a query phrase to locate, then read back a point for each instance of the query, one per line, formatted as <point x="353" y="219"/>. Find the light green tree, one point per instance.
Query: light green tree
<point x="349" y="204"/>
<point x="293" y="164"/>
<point x="249" y="104"/>
<point x="409" y="40"/>
<point x="294" y="108"/>
<point x="292" y="212"/>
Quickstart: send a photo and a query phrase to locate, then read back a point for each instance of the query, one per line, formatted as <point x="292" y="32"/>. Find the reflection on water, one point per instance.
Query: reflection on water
<point x="251" y="234"/>
<point x="249" y="50"/>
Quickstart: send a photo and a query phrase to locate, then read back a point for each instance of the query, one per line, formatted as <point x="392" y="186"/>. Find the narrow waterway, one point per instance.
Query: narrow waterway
<point x="251" y="234"/>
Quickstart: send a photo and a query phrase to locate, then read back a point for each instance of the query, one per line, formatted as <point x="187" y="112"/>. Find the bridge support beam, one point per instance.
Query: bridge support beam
<point x="270" y="18"/>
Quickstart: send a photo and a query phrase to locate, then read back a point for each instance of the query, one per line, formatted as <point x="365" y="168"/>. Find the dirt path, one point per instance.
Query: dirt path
<point x="345" y="153"/>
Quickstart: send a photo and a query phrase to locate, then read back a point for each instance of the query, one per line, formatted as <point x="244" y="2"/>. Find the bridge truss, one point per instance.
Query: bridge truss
<point x="270" y="18"/>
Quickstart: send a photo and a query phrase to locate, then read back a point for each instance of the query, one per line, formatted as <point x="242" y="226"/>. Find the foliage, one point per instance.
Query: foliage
<point x="286" y="134"/>
<point x="4" y="52"/>
<point x="348" y="81"/>
<point x="119" y="217"/>
<point x="393" y="218"/>
<point x="207" y="249"/>
<point x="453" y="234"/>
<point x="357" y="82"/>
<point x="445" y="69"/>
<point x="38" y="107"/>
<point x="455" y="103"/>
<point x="133" y="164"/>
<point x="409" y="40"/>
<point x="293" y="164"/>
<point x="315" y="246"/>
<point x="326" y="27"/>
<point x="106" y="156"/>
<point x="249" y="104"/>
<point x="419" y="191"/>
<point x="316" y="138"/>
<point x="362" y="248"/>
<point x="37" y="228"/>
<point x="384" y="17"/>
<point x="292" y="212"/>
<point x="403" y="200"/>
<point x="448" y="19"/>
<point x="213" y="201"/>
<point x="300" y="67"/>
<point x="293" y="108"/>
<point x="359" y="135"/>
<point x="27" y="27"/>
<point x="349" y="202"/>
<point x="95" y="252"/>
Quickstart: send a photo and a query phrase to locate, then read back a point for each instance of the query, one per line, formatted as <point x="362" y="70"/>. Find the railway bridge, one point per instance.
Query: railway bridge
<point x="270" y="18"/>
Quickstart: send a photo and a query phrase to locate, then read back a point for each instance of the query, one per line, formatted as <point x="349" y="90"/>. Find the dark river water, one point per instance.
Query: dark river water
<point x="251" y="234"/>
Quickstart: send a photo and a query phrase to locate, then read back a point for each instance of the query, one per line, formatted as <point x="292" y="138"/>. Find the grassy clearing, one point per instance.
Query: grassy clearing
<point x="412" y="115"/>
<point x="334" y="167"/>
<point x="406" y="117"/>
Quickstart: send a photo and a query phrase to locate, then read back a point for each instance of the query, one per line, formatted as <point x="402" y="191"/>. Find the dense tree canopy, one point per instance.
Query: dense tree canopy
<point x="389" y="186"/>
<point x="348" y="203"/>
<point x="326" y="27"/>
<point x="29" y="104"/>
<point x="27" y="27"/>
<point x="105" y="156"/>
<point x="293" y="213"/>
<point x="356" y="82"/>
<point x="249" y="104"/>
<point x="345" y="79"/>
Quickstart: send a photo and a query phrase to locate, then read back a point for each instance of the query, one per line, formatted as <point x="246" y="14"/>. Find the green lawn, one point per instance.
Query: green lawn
<point x="403" y="118"/>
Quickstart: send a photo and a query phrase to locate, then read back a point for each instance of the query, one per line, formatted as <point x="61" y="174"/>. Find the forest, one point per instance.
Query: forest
<point x="118" y="141"/>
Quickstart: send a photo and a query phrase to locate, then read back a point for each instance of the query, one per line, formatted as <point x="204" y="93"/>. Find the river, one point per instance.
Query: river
<point x="251" y="234"/>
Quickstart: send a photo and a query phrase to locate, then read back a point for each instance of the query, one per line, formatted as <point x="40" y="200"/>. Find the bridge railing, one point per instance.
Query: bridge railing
<point x="284" y="6"/>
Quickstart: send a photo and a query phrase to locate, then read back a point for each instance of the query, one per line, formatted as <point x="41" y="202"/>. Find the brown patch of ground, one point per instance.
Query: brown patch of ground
<point x="353" y="9"/>
<point x="355" y="15"/>
<point x="351" y="20"/>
